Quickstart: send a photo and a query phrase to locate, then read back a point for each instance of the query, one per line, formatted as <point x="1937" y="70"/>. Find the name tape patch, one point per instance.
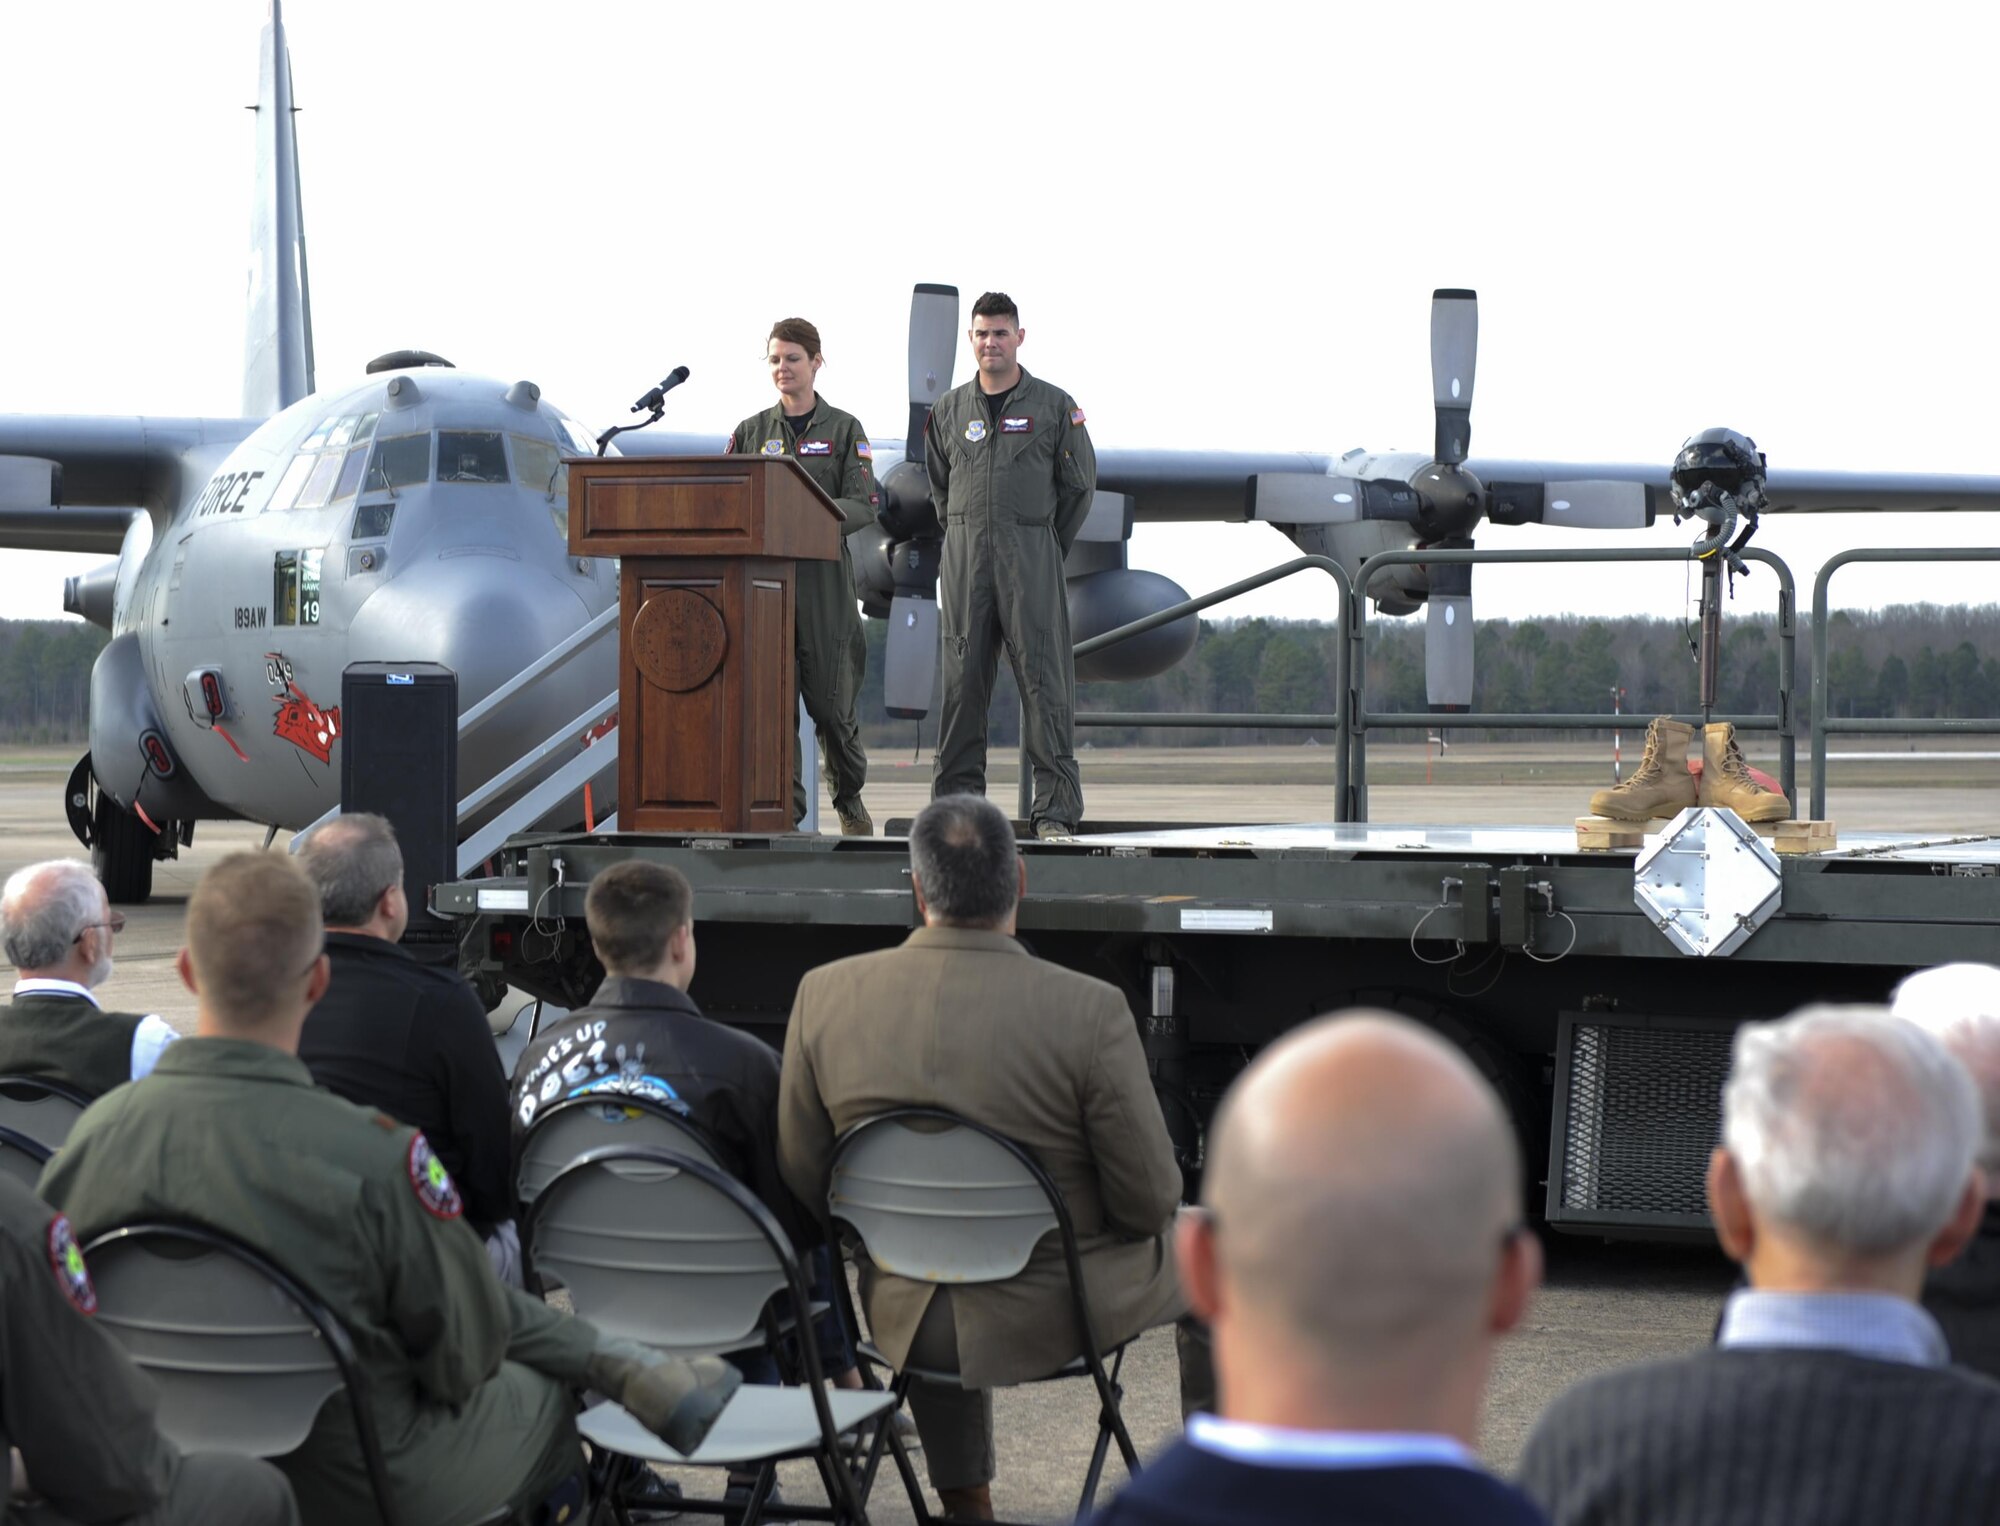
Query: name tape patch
<point x="1018" y="424"/>
<point x="815" y="447"/>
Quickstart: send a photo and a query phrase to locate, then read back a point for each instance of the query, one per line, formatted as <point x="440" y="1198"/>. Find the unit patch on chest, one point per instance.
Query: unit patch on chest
<point x="774" y="447"/>
<point x="432" y="1183"/>
<point x="815" y="447"/>
<point x="976" y="431"/>
<point x="1017" y="424"/>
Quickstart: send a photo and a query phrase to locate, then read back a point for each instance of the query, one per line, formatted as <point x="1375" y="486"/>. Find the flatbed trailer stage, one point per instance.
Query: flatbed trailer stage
<point x="1608" y="1041"/>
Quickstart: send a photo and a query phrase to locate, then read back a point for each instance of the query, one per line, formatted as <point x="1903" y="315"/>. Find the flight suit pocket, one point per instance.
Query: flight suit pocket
<point x="1030" y="470"/>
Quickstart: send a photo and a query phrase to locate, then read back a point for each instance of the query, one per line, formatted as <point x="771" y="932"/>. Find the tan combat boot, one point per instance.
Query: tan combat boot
<point x="1661" y="785"/>
<point x="1726" y="781"/>
<point x="854" y="819"/>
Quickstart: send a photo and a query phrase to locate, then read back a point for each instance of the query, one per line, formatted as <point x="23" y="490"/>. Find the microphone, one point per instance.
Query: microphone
<point x="654" y="398"/>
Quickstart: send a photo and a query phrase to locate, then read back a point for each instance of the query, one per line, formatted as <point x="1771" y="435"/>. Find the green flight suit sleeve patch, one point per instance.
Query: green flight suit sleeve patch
<point x="66" y="1260"/>
<point x="432" y="1183"/>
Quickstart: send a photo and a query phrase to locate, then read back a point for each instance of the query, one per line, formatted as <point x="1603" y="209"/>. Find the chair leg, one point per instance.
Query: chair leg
<point x="919" y="1507"/>
<point x="1086" y="1500"/>
<point x="760" y="1494"/>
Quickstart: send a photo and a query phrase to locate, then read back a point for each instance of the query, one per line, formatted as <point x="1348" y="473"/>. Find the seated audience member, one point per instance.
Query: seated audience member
<point x="408" y="1038"/>
<point x="79" y="1415"/>
<point x="1845" y="1170"/>
<point x="59" y="928"/>
<point x="961" y="1016"/>
<point x="1959" y="1006"/>
<point x="643" y="1036"/>
<point x="470" y="1380"/>
<point x="1358" y="1254"/>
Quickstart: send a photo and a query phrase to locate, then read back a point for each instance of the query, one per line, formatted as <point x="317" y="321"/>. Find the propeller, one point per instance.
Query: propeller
<point x="915" y="539"/>
<point x="1442" y="503"/>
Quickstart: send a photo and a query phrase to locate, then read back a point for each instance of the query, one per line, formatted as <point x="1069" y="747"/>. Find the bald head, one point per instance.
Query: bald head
<point x="1363" y="1178"/>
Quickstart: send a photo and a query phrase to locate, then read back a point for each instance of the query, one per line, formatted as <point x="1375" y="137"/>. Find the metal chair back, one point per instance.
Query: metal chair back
<point x="245" y="1357"/>
<point x="575" y="1126"/>
<point x="21" y="1157"/>
<point x="43" y="1109"/>
<point x="937" y="1198"/>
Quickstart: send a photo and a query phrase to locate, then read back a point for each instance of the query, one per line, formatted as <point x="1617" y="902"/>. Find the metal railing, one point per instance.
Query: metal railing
<point x="1823" y="724"/>
<point x="1360" y="718"/>
<point x="1352" y="720"/>
<point x="1203" y="720"/>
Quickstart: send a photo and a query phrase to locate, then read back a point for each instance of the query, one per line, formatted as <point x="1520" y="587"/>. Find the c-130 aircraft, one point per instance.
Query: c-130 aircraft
<point x="419" y="514"/>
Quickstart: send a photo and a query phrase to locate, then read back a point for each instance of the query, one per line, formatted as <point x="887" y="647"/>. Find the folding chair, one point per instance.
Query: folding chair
<point x="566" y="1130"/>
<point x="682" y="1257"/>
<point x="935" y="1197"/>
<point x="244" y="1355"/>
<point x="21" y="1157"/>
<point x="43" y="1109"/>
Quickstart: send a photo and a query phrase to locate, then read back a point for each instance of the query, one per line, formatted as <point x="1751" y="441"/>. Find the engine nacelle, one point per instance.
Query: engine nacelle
<point x="134" y="760"/>
<point x="1103" y="601"/>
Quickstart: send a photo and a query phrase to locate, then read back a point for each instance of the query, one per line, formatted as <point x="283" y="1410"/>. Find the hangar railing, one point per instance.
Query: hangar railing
<point x="1823" y="723"/>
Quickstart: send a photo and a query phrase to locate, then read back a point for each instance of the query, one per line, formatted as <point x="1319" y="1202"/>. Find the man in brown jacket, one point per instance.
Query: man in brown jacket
<point x="962" y="1017"/>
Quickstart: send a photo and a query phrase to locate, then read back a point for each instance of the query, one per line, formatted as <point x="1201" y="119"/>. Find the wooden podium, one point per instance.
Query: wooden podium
<point x="706" y="592"/>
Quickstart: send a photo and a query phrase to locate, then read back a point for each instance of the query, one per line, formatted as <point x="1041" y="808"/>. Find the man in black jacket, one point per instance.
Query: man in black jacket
<point x="643" y="1036"/>
<point x="407" y="1038"/>
<point x="59" y="932"/>
<point x="1845" y="1172"/>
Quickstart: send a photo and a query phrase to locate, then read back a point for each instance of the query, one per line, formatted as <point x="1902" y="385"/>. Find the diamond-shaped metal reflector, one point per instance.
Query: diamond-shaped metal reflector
<point x="1707" y="882"/>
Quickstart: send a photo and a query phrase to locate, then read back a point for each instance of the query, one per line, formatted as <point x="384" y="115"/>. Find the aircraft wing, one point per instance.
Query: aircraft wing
<point x="1790" y="490"/>
<point x="1164" y="484"/>
<point x="73" y="482"/>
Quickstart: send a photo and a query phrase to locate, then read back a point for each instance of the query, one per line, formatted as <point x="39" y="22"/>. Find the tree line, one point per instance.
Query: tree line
<point x="1906" y="661"/>
<point x="45" y="679"/>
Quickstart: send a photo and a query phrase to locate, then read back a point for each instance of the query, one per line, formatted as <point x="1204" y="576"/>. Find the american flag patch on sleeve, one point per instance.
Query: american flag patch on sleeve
<point x="861" y="449"/>
<point x="1076" y="415"/>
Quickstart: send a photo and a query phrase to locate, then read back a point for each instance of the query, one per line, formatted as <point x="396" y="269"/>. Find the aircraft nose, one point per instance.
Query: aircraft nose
<point x="486" y="617"/>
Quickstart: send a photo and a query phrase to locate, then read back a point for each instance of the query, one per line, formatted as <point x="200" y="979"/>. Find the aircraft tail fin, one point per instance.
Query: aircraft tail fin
<point x="277" y="338"/>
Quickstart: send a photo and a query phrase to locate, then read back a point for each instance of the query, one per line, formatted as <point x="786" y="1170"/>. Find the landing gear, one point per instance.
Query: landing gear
<point x="121" y="851"/>
<point x="122" y="846"/>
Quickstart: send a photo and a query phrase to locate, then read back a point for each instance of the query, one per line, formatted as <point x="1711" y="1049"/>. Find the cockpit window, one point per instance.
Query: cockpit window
<point x="350" y="473"/>
<point x="537" y="465"/>
<point x="287" y="491"/>
<point x="319" y="486"/>
<point x="401" y="460"/>
<point x="470" y="455"/>
<point x="364" y="428"/>
<point x="372" y="520"/>
<point x="580" y="440"/>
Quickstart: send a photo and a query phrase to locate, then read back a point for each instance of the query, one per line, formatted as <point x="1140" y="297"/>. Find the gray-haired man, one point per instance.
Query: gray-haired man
<point x="59" y="932"/>
<point x="1845" y="1171"/>
<point x="1959" y="1005"/>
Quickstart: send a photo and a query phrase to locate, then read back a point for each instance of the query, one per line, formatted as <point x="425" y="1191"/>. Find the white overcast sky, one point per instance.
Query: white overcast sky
<point x="1222" y="224"/>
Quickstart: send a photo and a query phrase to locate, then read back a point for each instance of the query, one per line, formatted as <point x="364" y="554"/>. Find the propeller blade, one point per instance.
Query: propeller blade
<point x="933" y="343"/>
<point x="1448" y="634"/>
<point x="1454" y="353"/>
<point x="1588" y="504"/>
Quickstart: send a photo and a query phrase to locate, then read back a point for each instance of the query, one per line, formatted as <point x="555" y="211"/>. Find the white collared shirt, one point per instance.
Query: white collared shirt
<point x="149" y="1039"/>
<point x="1275" y="1446"/>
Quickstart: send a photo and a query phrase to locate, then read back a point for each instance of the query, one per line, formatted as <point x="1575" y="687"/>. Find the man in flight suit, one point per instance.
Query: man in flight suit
<point x="833" y="448"/>
<point x="470" y="1381"/>
<point x="79" y="1416"/>
<point x="1012" y="472"/>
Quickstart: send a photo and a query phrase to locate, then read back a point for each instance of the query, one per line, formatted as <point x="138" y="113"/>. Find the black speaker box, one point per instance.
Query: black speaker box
<point x="399" y="759"/>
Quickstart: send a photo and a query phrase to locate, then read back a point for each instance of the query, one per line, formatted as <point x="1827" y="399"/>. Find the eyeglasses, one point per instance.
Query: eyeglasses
<point x="116" y="924"/>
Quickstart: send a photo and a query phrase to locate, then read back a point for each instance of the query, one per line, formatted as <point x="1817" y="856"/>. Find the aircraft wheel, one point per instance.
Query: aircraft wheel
<point x="122" y="853"/>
